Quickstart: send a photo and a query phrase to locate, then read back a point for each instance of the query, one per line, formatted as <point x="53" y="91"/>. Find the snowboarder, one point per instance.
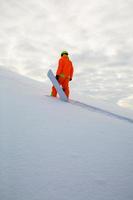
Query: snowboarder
<point x="64" y="74"/>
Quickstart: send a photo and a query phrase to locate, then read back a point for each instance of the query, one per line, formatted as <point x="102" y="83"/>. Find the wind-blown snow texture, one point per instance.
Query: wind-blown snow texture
<point x="52" y="150"/>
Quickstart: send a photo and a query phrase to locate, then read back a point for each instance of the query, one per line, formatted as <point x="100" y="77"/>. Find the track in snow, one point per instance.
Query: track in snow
<point x="99" y="110"/>
<point x="96" y="109"/>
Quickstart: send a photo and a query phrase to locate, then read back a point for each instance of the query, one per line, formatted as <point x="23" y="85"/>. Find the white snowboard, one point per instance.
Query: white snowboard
<point x="60" y="91"/>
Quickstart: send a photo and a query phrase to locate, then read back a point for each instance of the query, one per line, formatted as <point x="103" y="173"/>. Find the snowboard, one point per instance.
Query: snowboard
<point x="60" y="91"/>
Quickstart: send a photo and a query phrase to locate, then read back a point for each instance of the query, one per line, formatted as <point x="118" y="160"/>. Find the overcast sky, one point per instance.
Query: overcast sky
<point x="98" y="34"/>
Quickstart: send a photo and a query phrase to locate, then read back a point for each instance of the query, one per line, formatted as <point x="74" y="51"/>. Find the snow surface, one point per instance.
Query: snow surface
<point x="52" y="150"/>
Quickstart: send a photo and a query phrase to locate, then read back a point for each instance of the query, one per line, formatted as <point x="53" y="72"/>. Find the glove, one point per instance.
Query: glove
<point x="57" y="77"/>
<point x="70" y="79"/>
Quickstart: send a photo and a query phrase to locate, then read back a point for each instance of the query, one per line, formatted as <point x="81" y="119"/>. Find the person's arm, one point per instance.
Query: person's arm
<point x="60" y="66"/>
<point x="71" y="73"/>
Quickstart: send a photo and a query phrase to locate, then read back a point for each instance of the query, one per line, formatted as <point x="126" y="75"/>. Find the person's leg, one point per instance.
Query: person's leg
<point x="53" y="92"/>
<point x="65" y="86"/>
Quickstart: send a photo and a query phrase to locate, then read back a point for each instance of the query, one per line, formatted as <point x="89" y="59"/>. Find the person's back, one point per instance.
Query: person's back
<point x="65" y="67"/>
<point x="64" y="74"/>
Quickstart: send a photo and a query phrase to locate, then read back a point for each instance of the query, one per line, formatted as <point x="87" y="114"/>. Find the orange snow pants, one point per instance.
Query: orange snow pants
<point x="64" y="82"/>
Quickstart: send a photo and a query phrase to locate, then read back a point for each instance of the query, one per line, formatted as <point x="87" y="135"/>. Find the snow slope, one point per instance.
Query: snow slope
<point x="52" y="150"/>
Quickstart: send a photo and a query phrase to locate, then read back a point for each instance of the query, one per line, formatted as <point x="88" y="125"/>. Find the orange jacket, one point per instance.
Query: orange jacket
<point x="65" y="68"/>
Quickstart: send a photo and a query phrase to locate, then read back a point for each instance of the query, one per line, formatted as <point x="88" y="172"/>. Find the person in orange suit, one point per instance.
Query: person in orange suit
<point x="64" y="74"/>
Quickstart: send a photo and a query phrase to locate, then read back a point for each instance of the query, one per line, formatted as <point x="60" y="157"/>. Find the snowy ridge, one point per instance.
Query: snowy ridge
<point x="96" y="109"/>
<point x="53" y="150"/>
